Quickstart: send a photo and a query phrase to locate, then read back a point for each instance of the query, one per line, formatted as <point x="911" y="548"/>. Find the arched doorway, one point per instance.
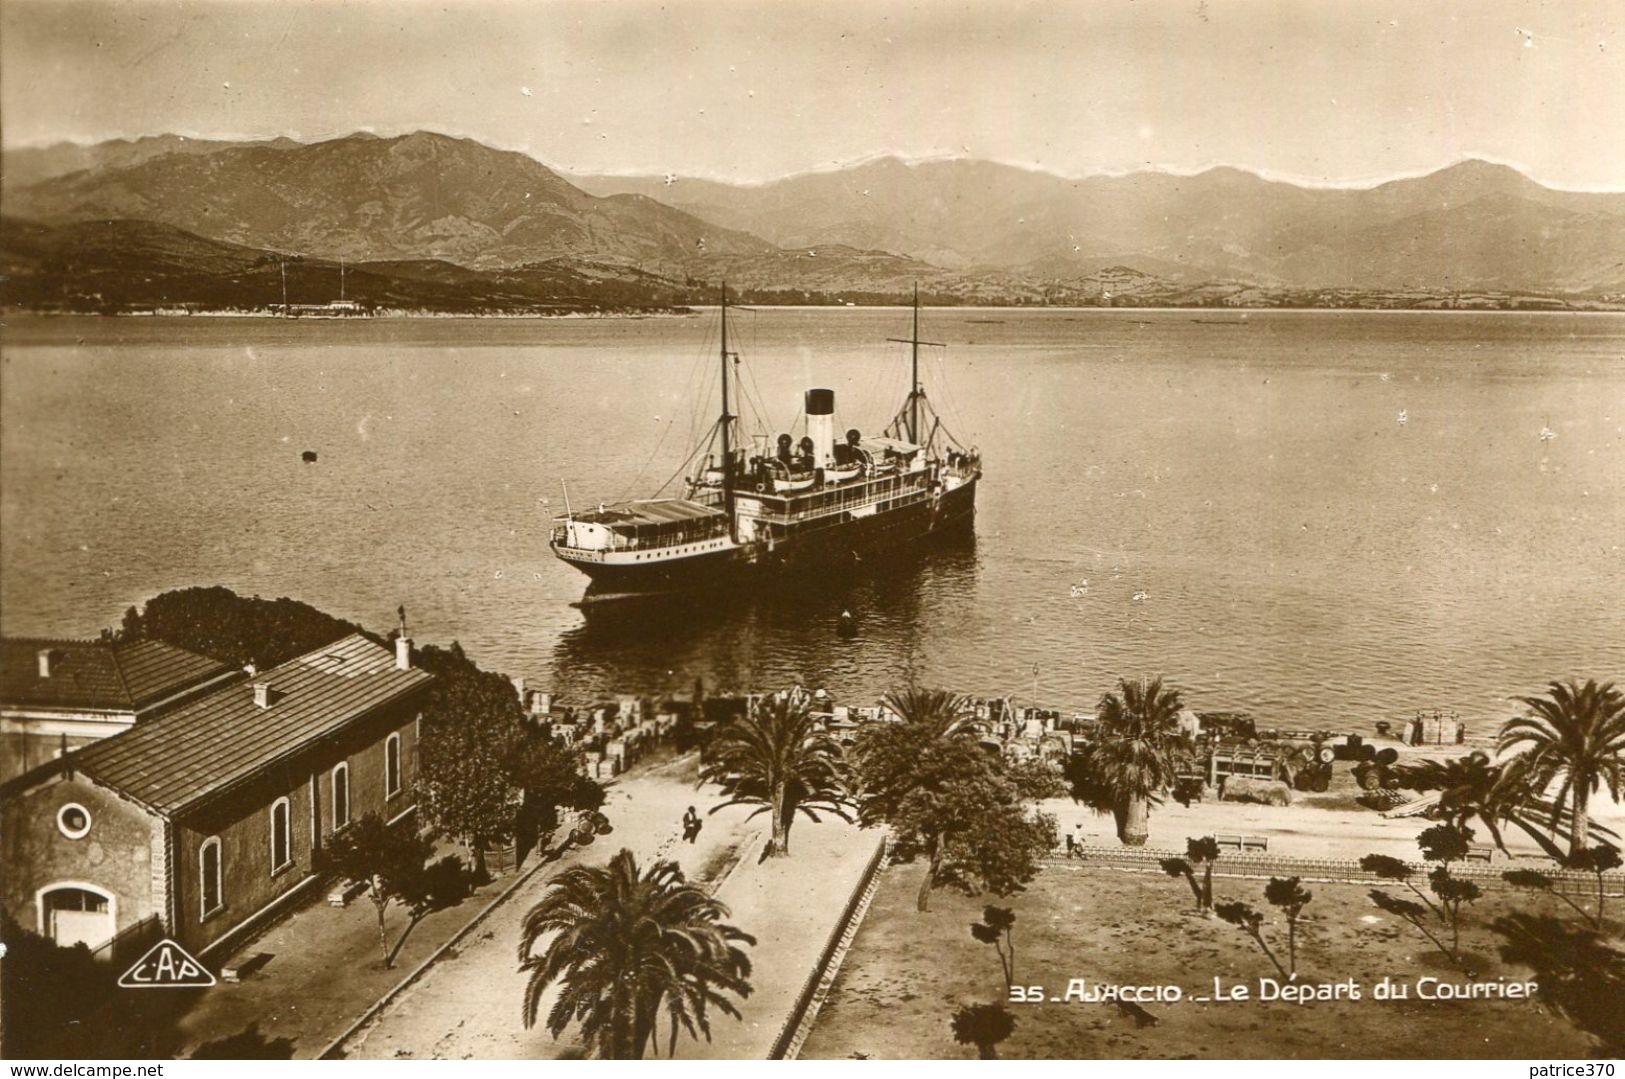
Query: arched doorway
<point x="76" y="913"/>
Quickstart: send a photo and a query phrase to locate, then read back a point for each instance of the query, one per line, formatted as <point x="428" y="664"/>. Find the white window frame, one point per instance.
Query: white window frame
<point x="62" y="824"/>
<point x="287" y="835"/>
<point x="394" y="771"/>
<point x="205" y="912"/>
<point x="340" y="821"/>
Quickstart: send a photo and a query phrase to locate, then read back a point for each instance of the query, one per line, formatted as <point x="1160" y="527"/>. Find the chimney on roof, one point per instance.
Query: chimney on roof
<point x="44" y="655"/>
<point x="403" y="643"/>
<point x="262" y="694"/>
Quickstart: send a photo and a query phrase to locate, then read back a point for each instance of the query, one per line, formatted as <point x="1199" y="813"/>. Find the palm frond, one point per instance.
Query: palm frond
<point x="624" y="947"/>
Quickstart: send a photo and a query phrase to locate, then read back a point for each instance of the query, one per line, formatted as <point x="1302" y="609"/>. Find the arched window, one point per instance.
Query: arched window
<point x="208" y="858"/>
<point x="341" y="796"/>
<point x="281" y="848"/>
<point x="392" y="766"/>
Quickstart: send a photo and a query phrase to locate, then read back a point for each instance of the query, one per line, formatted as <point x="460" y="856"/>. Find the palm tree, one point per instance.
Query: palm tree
<point x="1476" y="787"/>
<point x="779" y="758"/>
<point x="949" y="714"/>
<point x="1576" y="737"/>
<point x="1132" y="760"/>
<point x="626" y="947"/>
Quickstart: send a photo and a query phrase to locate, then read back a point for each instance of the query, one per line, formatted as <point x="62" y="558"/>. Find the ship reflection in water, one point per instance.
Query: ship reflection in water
<point x="774" y="636"/>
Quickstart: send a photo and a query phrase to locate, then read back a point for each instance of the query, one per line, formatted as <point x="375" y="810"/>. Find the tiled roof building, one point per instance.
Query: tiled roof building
<point x="206" y="747"/>
<point x="57" y="693"/>
<point x="203" y="819"/>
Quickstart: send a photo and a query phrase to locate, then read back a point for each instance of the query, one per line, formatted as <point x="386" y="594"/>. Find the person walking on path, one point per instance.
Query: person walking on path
<point x="691" y="825"/>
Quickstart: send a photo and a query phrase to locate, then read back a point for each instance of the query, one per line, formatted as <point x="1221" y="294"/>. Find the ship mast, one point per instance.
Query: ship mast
<point x="726" y="421"/>
<point x="914" y="391"/>
<point x="914" y="375"/>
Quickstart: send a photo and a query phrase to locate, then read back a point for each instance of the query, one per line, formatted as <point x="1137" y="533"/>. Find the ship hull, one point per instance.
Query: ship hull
<point x="847" y="544"/>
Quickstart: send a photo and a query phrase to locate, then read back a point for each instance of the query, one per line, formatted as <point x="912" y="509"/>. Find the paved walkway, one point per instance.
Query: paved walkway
<point x="790" y="905"/>
<point x="468" y="1007"/>
<point x="326" y="969"/>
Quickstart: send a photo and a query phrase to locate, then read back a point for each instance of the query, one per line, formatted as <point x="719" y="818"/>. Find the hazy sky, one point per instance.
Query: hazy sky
<point x="1320" y="91"/>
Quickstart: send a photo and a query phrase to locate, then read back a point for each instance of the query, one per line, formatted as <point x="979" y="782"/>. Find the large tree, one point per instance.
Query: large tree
<point x="1130" y="762"/>
<point x="627" y="947"/>
<point x="778" y="757"/>
<point x="471" y="721"/>
<point x="487" y="775"/>
<point x="218" y="623"/>
<point x="951" y="802"/>
<point x="549" y="779"/>
<point x="1575" y="737"/>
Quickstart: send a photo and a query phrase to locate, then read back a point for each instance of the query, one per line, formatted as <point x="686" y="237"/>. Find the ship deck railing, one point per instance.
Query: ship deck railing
<point x="894" y="500"/>
<point x="820" y="502"/>
<point x="643" y="542"/>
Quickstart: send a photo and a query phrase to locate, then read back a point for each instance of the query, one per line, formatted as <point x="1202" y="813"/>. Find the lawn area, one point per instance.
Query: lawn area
<point x="908" y="971"/>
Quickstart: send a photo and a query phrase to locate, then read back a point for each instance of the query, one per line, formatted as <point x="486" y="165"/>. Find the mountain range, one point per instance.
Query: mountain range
<point x="364" y="198"/>
<point x="972" y="231"/>
<point x="1474" y="225"/>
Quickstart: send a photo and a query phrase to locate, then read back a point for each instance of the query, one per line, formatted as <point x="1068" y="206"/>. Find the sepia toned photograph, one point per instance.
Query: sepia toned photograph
<point x="737" y="530"/>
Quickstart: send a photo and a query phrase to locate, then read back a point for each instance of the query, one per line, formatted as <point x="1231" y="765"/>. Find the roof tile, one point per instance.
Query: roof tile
<point x="179" y="759"/>
<point x="99" y="675"/>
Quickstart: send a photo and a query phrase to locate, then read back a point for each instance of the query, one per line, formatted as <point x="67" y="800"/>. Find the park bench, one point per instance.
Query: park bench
<point x="1243" y="843"/>
<point x="244" y="967"/>
<point x="1480" y="852"/>
<point x="344" y="891"/>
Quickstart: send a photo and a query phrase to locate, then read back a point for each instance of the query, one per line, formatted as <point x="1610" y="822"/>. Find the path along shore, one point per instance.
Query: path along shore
<point x="467" y="1005"/>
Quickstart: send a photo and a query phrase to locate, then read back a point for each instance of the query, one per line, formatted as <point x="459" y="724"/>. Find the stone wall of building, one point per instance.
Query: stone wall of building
<point x="249" y="882"/>
<point x="241" y="822"/>
<point x="114" y="855"/>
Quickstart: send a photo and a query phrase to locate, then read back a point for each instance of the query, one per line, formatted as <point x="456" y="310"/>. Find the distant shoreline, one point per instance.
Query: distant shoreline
<point x="1238" y="315"/>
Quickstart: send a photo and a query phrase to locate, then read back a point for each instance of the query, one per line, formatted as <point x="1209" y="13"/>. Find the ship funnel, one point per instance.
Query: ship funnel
<point x="821" y="426"/>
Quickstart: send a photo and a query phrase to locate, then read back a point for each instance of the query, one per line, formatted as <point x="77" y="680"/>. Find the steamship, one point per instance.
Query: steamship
<point x="781" y="506"/>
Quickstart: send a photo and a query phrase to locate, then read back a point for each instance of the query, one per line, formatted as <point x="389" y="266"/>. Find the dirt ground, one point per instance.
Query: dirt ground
<point x="908" y="971"/>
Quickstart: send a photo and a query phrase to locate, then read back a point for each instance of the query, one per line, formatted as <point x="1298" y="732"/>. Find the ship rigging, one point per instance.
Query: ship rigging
<point x="791" y="506"/>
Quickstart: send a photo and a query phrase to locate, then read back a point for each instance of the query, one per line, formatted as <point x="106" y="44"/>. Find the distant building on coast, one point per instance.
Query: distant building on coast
<point x="56" y="694"/>
<point x="331" y="309"/>
<point x="200" y="823"/>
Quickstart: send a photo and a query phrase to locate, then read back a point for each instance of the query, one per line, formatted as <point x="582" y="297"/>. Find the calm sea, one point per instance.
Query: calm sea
<point x="1328" y="517"/>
